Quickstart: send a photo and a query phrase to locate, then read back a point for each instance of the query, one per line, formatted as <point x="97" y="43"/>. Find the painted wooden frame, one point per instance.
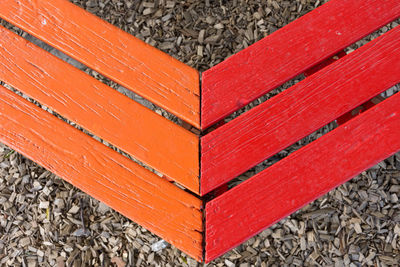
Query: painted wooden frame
<point x="187" y="205"/>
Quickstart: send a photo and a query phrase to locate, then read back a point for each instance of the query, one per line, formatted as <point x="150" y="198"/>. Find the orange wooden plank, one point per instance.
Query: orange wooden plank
<point x="145" y="135"/>
<point x="112" y="52"/>
<point x="122" y="184"/>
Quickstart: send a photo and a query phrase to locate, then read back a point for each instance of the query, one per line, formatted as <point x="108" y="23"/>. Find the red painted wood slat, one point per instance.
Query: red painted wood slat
<point x="288" y="52"/>
<point x="122" y="184"/>
<point x="298" y="111"/>
<point x="110" y="51"/>
<point x="302" y="177"/>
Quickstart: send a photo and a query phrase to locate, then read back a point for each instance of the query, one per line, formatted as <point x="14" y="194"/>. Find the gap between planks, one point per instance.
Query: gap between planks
<point x="267" y="64"/>
<point x="298" y="111"/>
<point x="302" y="177"/>
<point x="137" y="193"/>
<point x="143" y="134"/>
<point x="145" y="70"/>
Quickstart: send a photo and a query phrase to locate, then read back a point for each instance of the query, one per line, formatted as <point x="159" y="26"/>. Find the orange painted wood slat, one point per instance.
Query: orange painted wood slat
<point x="142" y="133"/>
<point x="302" y="177"/>
<point x="112" y="52"/>
<point x="122" y="184"/>
<point x="289" y="52"/>
<point x="300" y="110"/>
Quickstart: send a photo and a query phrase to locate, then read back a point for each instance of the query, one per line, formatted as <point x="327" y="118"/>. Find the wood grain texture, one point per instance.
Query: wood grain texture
<point x="142" y="133"/>
<point x="302" y="177"/>
<point x="122" y="184"/>
<point x="289" y="52"/>
<point x="300" y="110"/>
<point x="121" y="57"/>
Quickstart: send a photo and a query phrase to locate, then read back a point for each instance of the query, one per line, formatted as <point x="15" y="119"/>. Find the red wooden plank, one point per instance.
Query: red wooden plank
<point x="112" y="52"/>
<point x="101" y="172"/>
<point x="298" y="111"/>
<point x="145" y="135"/>
<point x="302" y="177"/>
<point x="288" y="52"/>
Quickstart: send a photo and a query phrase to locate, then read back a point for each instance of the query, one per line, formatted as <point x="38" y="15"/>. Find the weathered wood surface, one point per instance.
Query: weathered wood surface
<point x="142" y="133"/>
<point x="302" y="177"/>
<point x="121" y="57"/>
<point x="300" y="110"/>
<point x="122" y="184"/>
<point x="288" y="52"/>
